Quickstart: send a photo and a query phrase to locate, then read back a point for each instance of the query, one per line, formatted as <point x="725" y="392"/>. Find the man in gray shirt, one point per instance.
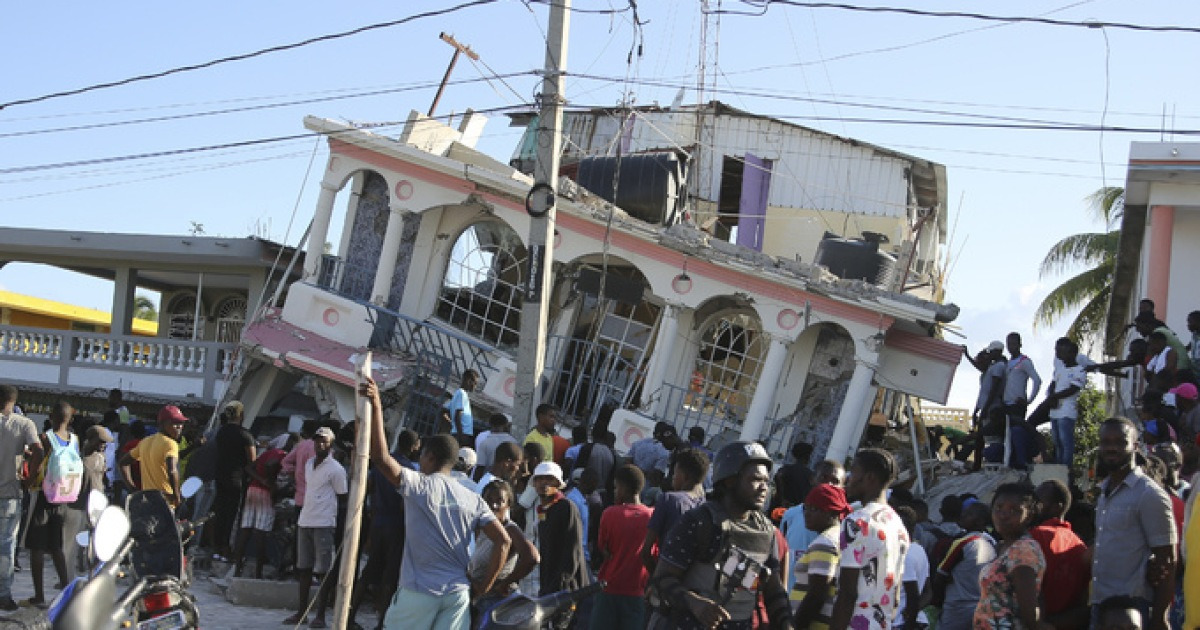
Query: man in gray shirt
<point x="1134" y="553"/>
<point x="18" y="434"/>
<point x="441" y="517"/>
<point x="1019" y="371"/>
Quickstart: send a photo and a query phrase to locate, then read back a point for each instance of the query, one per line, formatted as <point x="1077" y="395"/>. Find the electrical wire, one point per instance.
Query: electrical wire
<point x="765" y="4"/>
<point x="841" y="103"/>
<point x="250" y="108"/>
<point x="244" y="56"/>
<point x="207" y="148"/>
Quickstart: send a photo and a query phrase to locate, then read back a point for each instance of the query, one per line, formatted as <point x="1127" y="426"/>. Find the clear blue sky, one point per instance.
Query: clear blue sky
<point x="1012" y="192"/>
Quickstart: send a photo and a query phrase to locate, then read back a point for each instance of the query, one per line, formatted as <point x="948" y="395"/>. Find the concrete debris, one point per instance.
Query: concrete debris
<point x="982" y="484"/>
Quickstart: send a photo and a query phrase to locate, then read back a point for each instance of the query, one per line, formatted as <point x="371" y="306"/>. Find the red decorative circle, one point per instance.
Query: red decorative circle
<point x="788" y="319"/>
<point x="632" y="434"/>
<point x="331" y="316"/>
<point x="510" y="386"/>
<point x="682" y="284"/>
<point x="404" y="189"/>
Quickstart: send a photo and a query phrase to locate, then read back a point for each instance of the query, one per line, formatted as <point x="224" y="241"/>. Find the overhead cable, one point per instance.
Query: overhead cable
<point x="206" y="148"/>
<point x="1017" y="19"/>
<point x="244" y="56"/>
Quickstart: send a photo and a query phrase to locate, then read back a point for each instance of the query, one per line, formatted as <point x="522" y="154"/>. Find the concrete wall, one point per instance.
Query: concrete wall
<point x="1185" y="260"/>
<point x="798" y="231"/>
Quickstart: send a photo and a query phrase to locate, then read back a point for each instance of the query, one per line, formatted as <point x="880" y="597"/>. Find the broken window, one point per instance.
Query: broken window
<point x="481" y="291"/>
<point x="727" y="366"/>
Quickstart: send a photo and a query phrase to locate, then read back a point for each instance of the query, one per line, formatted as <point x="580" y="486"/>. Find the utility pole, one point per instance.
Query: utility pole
<point x="458" y="49"/>
<point x="540" y="205"/>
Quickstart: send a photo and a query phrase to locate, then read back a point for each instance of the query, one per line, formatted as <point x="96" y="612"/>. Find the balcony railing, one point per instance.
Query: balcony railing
<point x="345" y="279"/>
<point x="684" y="408"/>
<point x="401" y="333"/>
<point x="87" y="359"/>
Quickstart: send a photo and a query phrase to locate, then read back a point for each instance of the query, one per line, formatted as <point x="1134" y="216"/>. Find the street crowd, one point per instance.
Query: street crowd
<point x="681" y="536"/>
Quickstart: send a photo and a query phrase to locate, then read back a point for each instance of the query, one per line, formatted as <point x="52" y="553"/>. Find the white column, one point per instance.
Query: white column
<point x="764" y="393"/>
<point x="124" y="286"/>
<point x="320" y="231"/>
<point x="387" y="256"/>
<point x="664" y="347"/>
<point x="852" y="420"/>
<point x="356" y="186"/>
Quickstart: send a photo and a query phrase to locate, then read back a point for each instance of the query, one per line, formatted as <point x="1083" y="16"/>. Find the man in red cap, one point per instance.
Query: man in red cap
<point x="816" y="571"/>
<point x="1189" y="411"/>
<point x="159" y="456"/>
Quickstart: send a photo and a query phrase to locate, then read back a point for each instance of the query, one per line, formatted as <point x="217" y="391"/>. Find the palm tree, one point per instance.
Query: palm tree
<point x="1088" y="291"/>
<point x="143" y="308"/>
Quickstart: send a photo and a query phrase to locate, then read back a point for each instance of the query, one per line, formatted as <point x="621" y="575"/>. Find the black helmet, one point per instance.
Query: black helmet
<point x="733" y="456"/>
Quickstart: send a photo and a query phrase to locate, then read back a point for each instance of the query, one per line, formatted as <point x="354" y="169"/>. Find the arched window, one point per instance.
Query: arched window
<point x="482" y="289"/>
<point x="727" y="366"/>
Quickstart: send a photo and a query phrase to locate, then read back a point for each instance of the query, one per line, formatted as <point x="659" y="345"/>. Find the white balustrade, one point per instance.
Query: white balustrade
<point x="30" y="344"/>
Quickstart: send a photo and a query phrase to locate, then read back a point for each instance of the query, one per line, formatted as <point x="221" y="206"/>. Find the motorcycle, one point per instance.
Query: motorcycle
<point x="153" y="542"/>
<point x="521" y="612"/>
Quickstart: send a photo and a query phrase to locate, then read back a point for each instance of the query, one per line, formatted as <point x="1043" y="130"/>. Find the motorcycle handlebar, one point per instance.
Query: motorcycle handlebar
<point x="561" y="599"/>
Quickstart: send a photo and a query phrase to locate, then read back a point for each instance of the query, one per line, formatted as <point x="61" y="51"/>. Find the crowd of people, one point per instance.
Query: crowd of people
<point x="1004" y="428"/>
<point x="682" y="536"/>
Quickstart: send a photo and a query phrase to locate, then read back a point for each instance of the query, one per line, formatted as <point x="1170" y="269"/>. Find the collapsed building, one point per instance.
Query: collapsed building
<point x="712" y="268"/>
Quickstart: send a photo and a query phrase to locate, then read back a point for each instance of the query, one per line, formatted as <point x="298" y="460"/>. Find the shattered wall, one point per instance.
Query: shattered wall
<point x="825" y="387"/>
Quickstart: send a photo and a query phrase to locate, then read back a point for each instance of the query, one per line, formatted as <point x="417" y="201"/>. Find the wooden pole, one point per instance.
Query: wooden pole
<point x="458" y="48"/>
<point x="358" y="493"/>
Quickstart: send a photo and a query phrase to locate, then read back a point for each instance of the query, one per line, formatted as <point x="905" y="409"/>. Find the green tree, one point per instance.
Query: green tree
<point x="1088" y="291"/>
<point x="143" y="308"/>
<point x="1091" y="407"/>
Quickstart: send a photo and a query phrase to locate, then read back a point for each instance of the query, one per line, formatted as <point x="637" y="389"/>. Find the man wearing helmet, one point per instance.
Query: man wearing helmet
<point x="723" y="554"/>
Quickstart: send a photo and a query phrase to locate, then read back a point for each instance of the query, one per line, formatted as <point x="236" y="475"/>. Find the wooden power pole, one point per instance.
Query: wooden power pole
<point x="458" y="49"/>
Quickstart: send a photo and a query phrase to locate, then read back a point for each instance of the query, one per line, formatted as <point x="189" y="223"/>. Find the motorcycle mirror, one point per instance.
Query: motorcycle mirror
<point x="190" y="487"/>
<point x="96" y="503"/>
<point x="83" y="538"/>
<point x="111" y="530"/>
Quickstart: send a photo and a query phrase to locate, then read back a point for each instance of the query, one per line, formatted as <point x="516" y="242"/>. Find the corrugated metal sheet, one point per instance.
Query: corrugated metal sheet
<point x="811" y="169"/>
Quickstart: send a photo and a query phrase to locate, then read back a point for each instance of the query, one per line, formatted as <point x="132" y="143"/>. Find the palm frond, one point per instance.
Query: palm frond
<point x="1087" y="250"/>
<point x="1108" y="204"/>
<point x="1088" y="327"/>
<point x="1072" y="294"/>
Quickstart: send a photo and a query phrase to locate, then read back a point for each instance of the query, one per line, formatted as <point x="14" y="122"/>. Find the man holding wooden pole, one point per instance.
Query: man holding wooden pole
<point x="441" y="517"/>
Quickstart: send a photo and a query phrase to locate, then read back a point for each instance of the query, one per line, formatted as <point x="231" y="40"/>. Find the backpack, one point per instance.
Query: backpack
<point x="64" y="471"/>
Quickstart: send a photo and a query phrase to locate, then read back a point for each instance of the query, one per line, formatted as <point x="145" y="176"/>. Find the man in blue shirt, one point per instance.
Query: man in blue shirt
<point x="457" y="412"/>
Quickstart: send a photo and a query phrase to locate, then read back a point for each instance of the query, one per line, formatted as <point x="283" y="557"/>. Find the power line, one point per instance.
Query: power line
<point x="765" y="4"/>
<point x="206" y="148"/>
<point x="249" y="108"/>
<point x="841" y="103"/>
<point x="244" y="56"/>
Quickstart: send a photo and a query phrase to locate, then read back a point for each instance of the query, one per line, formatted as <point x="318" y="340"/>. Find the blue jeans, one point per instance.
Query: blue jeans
<point x="1064" y="439"/>
<point x="10" y="518"/>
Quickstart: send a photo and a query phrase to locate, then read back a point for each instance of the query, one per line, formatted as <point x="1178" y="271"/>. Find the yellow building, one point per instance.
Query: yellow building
<point x="33" y="312"/>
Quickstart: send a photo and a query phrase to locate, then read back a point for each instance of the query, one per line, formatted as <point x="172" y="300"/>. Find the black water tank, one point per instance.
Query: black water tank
<point x="648" y="188"/>
<point x="856" y="259"/>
